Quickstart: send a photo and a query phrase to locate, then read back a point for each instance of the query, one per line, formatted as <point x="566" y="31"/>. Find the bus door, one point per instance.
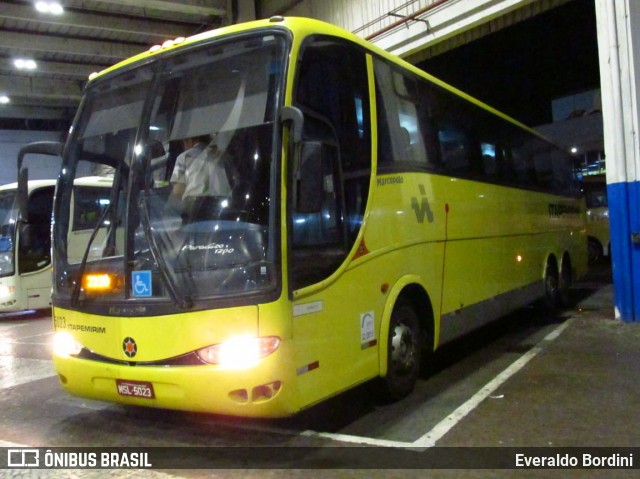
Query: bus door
<point x="326" y="212"/>
<point x="34" y="249"/>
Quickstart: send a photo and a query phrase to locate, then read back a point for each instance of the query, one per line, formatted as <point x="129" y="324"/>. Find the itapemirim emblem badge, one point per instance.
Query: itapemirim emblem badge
<point x="129" y="347"/>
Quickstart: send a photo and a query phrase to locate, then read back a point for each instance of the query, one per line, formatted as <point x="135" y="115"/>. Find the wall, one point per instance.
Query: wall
<point x="40" y="166"/>
<point x="351" y="15"/>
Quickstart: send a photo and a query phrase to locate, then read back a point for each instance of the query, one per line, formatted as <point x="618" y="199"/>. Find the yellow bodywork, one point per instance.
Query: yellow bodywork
<point x="203" y="388"/>
<point x="459" y="241"/>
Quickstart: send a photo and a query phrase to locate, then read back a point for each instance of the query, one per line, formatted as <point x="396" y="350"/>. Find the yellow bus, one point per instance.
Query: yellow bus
<point x="371" y="213"/>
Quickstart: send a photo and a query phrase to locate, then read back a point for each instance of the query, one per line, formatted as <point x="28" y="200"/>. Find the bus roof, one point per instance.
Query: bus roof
<point x="33" y="184"/>
<point x="300" y="27"/>
<point x="296" y="25"/>
<point x="105" y="181"/>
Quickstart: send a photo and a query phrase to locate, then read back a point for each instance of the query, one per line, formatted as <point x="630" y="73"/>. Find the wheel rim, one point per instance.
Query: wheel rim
<point x="403" y="352"/>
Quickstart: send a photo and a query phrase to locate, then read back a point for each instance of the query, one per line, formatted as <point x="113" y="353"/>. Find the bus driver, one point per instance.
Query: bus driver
<point x="201" y="177"/>
<point x="199" y="170"/>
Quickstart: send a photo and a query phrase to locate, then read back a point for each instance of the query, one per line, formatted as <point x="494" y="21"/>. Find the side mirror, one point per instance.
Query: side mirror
<point x="295" y="116"/>
<point x="310" y="194"/>
<point x="51" y="148"/>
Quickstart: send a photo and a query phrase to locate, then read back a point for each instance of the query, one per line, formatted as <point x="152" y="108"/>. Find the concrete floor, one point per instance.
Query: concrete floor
<point x="581" y="390"/>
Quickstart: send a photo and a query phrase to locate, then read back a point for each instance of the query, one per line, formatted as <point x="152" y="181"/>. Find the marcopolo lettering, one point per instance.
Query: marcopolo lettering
<point x="392" y="180"/>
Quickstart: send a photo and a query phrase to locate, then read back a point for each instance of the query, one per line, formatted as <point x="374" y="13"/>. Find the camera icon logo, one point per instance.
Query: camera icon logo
<point x="23" y="458"/>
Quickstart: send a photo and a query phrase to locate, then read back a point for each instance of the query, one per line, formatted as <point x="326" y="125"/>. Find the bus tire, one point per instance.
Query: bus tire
<point x="596" y="251"/>
<point x="551" y="299"/>
<point x="404" y="353"/>
<point x="565" y="282"/>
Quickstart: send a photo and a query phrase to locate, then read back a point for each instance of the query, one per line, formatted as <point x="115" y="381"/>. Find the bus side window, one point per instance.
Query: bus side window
<point x="454" y="151"/>
<point x="401" y="133"/>
<point x="490" y="159"/>
<point x="523" y="161"/>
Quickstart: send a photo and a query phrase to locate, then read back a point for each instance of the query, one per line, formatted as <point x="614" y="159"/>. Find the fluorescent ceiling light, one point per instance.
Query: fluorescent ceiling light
<point x="54" y="8"/>
<point x="25" y="64"/>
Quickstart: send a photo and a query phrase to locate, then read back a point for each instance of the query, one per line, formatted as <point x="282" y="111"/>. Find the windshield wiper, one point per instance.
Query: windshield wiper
<point x="113" y="200"/>
<point x="75" y="295"/>
<point x="182" y="300"/>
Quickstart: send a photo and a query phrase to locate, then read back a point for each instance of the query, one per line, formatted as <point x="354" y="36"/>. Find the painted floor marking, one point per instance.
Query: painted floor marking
<point x="47" y="334"/>
<point x="439" y="430"/>
<point x="443" y="427"/>
<point x="558" y="331"/>
<point x="8" y="326"/>
<point x="67" y="400"/>
<point x="11" y="444"/>
<point x="15" y="371"/>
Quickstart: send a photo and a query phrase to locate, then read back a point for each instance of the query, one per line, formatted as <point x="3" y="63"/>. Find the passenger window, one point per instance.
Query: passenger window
<point x="401" y="134"/>
<point x="454" y="151"/>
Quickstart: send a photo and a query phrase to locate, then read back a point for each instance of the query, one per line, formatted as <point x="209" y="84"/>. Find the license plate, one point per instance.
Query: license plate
<point x="136" y="389"/>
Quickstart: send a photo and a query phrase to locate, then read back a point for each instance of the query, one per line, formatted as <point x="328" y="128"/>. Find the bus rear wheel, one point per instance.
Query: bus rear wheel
<point x="596" y="251"/>
<point x="564" y="283"/>
<point x="551" y="300"/>
<point x="404" y="353"/>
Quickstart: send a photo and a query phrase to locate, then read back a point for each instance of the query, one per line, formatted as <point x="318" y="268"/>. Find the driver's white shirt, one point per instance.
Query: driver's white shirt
<point x="202" y="171"/>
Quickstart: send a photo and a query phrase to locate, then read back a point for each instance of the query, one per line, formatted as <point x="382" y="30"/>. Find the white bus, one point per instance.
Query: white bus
<point x="25" y="239"/>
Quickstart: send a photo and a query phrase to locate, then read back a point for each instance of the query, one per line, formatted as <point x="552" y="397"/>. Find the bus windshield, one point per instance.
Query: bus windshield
<point x="188" y="142"/>
<point x="8" y="215"/>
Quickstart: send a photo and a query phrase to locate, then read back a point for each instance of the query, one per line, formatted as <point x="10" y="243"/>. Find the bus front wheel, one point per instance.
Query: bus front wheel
<point x="403" y="356"/>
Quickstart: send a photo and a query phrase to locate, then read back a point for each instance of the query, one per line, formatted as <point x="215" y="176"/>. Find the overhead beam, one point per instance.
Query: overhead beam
<point x="190" y="7"/>
<point x="87" y="24"/>
<point x="29" y="112"/>
<point x="34" y="88"/>
<point x="437" y="24"/>
<point x="102" y="52"/>
<point x="78" y="71"/>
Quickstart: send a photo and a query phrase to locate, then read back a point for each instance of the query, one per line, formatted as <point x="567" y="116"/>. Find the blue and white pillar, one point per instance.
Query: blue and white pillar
<point x="618" y="25"/>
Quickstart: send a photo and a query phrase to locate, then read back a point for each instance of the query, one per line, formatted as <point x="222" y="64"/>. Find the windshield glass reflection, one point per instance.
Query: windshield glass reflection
<point x="188" y="147"/>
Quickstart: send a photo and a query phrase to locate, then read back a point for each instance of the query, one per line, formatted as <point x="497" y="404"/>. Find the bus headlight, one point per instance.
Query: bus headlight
<point x="65" y="345"/>
<point x="6" y="291"/>
<point x="240" y="352"/>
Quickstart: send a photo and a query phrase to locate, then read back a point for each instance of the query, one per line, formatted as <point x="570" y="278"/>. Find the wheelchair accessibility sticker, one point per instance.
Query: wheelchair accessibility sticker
<point x="141" y="284"/>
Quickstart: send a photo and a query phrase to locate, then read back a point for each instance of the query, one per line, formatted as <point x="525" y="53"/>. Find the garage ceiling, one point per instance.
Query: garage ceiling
<point x="91" y="35"/>
<point x="88" y="36"/>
